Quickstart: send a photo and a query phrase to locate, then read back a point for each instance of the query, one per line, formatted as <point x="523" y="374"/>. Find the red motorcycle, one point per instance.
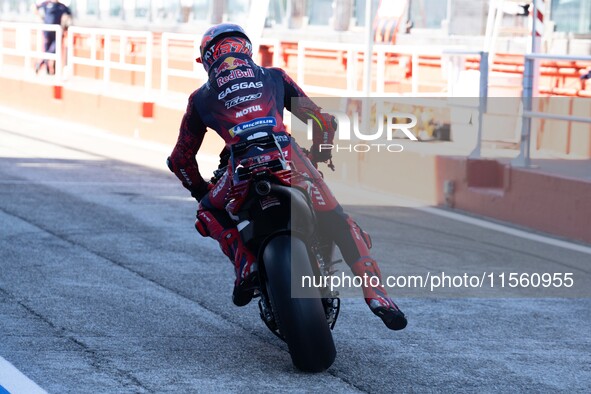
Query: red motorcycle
<point x="270" y="202"/>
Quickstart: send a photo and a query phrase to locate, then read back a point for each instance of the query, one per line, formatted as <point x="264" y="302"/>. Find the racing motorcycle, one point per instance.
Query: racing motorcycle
<point x="270" y="202"/>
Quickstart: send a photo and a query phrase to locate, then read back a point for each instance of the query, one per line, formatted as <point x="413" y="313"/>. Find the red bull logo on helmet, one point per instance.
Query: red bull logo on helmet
<point x="230" y="63"/>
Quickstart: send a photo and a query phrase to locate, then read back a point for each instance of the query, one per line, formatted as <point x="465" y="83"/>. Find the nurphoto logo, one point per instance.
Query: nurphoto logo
<point x="389" y="126"/>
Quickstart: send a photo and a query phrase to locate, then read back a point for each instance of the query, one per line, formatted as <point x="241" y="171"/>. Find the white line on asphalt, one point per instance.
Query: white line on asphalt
<point x="15" y="382"/>
<point x="506" y="229"/>
<point x="373" y="196"/>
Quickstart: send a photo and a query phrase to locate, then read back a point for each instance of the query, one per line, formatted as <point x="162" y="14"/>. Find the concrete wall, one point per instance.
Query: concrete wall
<point x="123" y="117"/>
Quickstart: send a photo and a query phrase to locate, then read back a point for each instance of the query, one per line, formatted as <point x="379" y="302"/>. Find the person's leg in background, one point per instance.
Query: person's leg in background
<point x="49" y="47"/>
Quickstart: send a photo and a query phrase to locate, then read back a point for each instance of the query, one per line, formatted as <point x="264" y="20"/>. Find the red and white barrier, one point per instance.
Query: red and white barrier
<point x="539" y="17"/>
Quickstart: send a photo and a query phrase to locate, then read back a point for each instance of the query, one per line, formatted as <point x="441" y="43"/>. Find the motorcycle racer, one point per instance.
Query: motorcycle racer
<point x="240" y="95"/>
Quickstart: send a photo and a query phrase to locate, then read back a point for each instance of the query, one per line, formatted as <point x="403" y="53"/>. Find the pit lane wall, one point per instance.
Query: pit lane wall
<point x="532" y="198"/>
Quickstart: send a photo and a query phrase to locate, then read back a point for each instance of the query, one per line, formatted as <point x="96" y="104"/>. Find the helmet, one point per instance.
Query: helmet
<point x="209" y="49"/>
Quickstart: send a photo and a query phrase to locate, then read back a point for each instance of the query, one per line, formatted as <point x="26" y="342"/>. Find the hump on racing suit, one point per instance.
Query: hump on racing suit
<point x="240" y="96"/>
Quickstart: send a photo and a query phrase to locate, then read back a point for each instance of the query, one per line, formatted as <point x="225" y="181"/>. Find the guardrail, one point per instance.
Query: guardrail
<point x="166" y="71"/>
<point x="111" y="49"/>
<point x="352" y="52"/>
<point x="24" y="46"/>
<point x="529" y="88"/>
<point x="103" y="40"/>
<point x="482" y="107"/>
<point x="355" y="52"/>
<point x="382" y="51"/>
<point x="197" y="71"/>
<point x="272" y="43"/>
<point x="415" y="53"/>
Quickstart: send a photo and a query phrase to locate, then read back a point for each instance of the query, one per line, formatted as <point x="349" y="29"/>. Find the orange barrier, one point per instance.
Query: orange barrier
<point x="562" y="72"/>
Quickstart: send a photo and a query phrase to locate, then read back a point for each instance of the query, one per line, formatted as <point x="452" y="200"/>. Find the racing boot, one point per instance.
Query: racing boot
<point x="245" y="266"/>
<point x="376" y="297"/>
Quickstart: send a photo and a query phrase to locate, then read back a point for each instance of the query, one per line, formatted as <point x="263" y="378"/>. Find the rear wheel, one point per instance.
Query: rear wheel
<point x="301" y="321"/>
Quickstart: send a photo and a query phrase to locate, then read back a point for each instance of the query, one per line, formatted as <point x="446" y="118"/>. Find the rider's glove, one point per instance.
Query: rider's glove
<point x="320" y="153"/>
<point x="324" y="128"/>
<point x="201" y="191"/>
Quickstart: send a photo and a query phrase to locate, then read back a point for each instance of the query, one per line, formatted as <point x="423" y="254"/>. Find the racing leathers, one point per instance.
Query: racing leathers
<point x="240" y="94"/>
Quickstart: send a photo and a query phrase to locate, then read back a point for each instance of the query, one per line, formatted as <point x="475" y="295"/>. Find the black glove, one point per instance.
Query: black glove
<point x="317" y="155"/>
<point x="201" y="191"/>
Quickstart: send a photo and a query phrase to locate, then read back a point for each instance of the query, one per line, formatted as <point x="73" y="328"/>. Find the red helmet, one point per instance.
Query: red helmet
<point x="211" y="51"/>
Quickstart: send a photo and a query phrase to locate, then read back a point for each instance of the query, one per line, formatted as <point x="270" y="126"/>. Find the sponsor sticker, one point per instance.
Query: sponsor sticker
<point x="242" y="99"/>
<point x="239" y="86"/>
<point x="235" y="74"/>
<point x="282" y="138"/>
<point x="253" y="124"/>
<point x="269" y="201"/>
<point x="230" y="63"/>
<point x="245" y="111"/>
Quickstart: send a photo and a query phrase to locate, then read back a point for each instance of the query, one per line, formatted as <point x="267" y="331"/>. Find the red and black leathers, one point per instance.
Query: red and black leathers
<point x="240" y="95"/>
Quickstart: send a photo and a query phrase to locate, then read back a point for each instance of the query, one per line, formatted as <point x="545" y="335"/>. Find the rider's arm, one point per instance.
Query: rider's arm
<point x="324" y="124"/>
<point x="182" y="160"/>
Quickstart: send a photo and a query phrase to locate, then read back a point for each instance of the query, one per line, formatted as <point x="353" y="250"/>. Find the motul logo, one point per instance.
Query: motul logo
<point x="254" y="108"/>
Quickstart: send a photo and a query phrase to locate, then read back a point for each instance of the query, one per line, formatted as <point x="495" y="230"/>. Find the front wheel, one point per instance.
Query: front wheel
<point x="301" y="321"/>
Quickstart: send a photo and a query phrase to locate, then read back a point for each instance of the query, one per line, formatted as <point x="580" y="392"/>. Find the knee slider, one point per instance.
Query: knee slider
<point x="201" y="229"/>
<point x="201" y="223"/>
<point x="366" y="237"/>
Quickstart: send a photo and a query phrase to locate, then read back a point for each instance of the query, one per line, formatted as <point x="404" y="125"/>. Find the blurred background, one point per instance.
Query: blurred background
<point x="570" y="17"/>
<point x="104" y="283"/>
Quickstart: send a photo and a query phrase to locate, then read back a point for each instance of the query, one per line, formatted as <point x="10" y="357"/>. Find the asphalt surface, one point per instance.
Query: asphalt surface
<point x="106" y="287"/>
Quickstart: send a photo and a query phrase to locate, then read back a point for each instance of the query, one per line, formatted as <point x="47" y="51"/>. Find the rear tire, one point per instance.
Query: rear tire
<point x="301" y="321"/>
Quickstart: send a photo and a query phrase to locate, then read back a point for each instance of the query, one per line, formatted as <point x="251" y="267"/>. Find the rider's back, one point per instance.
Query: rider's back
<point x="240" y="95"/>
